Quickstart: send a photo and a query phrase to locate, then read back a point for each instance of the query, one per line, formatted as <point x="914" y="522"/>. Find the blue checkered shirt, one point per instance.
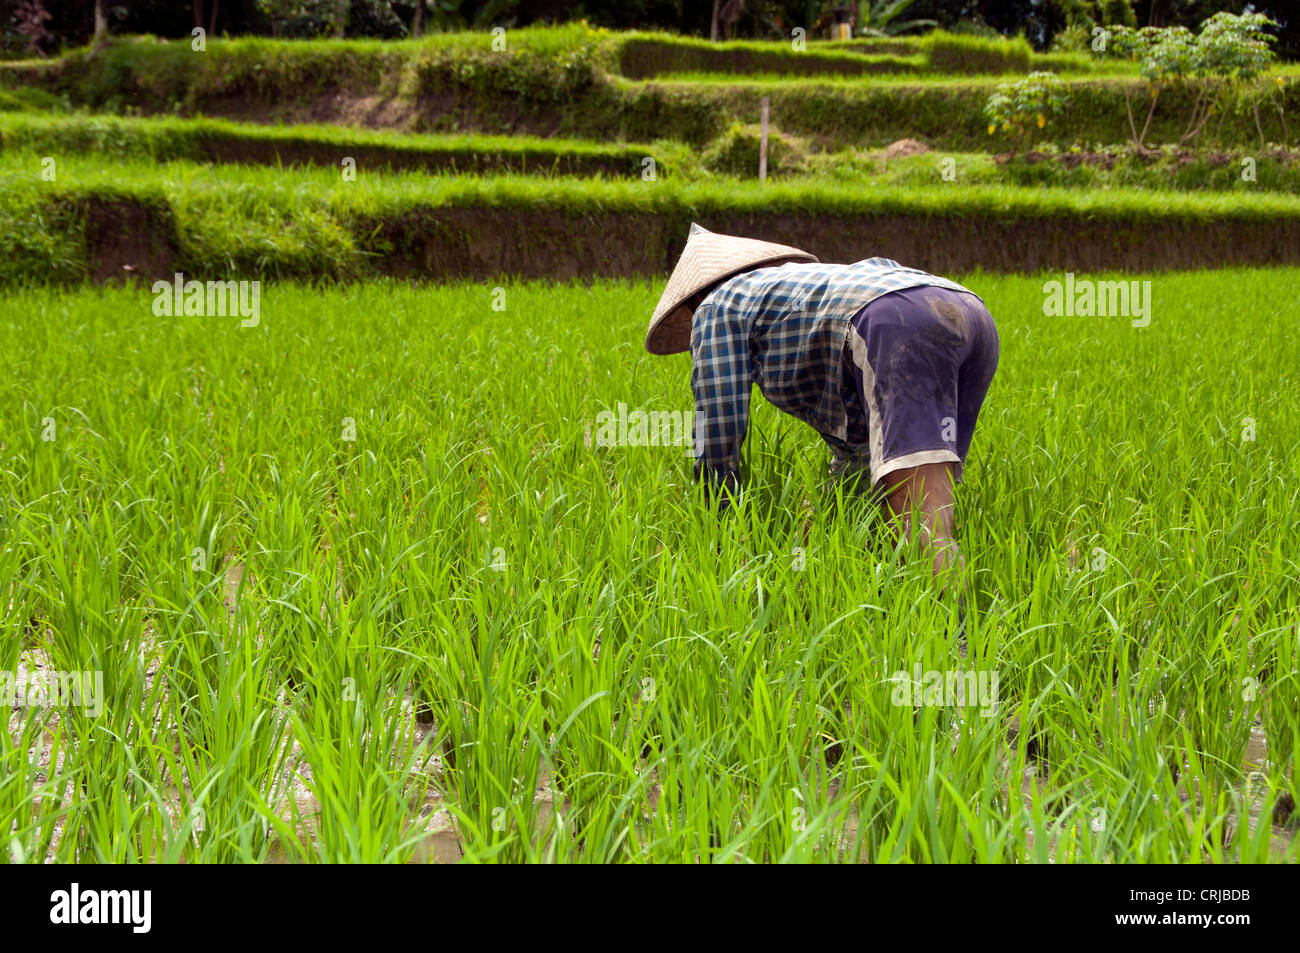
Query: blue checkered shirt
<point x="784" y="328"/>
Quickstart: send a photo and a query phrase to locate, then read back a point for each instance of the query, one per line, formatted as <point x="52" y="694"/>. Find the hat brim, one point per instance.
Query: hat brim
<point x="708" y="259"/>
<point x="670" y="328"/>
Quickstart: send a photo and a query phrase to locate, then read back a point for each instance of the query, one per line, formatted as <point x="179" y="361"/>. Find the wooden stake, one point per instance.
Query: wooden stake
<point x="762" y="142"/>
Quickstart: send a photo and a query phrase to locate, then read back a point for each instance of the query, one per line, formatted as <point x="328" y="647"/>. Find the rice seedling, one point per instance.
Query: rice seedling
<point x="351" y="602"/>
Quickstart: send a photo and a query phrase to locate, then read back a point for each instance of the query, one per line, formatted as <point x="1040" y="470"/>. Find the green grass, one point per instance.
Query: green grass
<point x="261" y="221"/>
<point x="268" y="599"/>
<point x="29" y="99"/>
<point x="899" y="82"/>
<point x="1274" y="172"/>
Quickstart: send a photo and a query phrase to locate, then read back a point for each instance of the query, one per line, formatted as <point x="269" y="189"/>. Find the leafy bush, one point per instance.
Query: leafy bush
<point x="879" y="18"/>
<point x="1231" y="51"/>
<point x="1019" y="107"/>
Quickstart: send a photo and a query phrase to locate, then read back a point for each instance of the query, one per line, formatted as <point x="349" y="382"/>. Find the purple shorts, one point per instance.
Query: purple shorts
<point x="921" y="363"/>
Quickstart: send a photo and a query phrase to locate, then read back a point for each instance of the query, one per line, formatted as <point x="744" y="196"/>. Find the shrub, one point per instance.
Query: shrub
<point x="1018" y="108"/>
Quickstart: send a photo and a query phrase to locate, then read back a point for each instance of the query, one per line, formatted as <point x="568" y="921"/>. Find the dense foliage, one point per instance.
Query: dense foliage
<point x="47" y="26"/>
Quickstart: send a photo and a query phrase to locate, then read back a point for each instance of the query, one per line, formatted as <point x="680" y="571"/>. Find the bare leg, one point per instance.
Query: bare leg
<point x="928" y="490"/>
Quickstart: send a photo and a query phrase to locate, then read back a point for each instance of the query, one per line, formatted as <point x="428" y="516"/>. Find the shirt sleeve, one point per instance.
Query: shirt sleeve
<point x="721" y="380"/>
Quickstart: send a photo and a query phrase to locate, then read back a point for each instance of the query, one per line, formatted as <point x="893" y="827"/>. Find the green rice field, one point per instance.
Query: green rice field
<point x="366" y="582"/>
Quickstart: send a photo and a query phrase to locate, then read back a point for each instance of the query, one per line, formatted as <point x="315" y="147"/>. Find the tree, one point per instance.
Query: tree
<point x="1117" y="13"/>
<point x="877" y="18"/>
<point x="208" y="23"/>
<point x="31" y="18"/>
<point x="1038" y="20"/>
<point x="1192" y="13"/>
<point x="725" y="13"/>
<point x="304" y="18"/>
<point x="1230" y="50"/>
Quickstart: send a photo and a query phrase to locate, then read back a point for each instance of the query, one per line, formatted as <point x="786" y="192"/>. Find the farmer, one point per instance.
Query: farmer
<point x="889" y="364"/>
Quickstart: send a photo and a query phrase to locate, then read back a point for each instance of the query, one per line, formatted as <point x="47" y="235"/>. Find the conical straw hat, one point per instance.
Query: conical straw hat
<point x="707" y="259"/>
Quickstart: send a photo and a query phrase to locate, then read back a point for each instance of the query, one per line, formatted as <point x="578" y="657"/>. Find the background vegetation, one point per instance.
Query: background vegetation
<point x="1064" y="23"/>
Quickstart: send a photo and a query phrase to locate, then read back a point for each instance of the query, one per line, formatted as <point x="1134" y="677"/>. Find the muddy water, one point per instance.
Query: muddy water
<point x="438" y="842"/>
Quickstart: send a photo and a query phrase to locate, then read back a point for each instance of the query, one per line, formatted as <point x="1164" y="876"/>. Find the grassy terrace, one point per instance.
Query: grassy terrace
<point x="248" y="221"/>
<point x="251" y="185"/>
<point x="209" y="179"/>
<point x="640" y="55"/>
<point x="567" y="83"/>
<point x="163" y="139"/>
